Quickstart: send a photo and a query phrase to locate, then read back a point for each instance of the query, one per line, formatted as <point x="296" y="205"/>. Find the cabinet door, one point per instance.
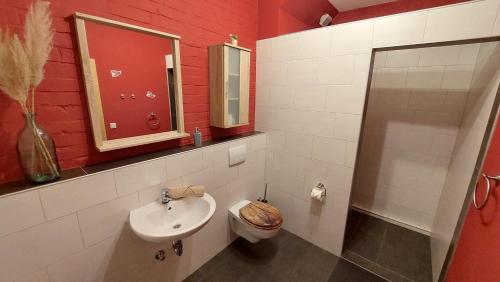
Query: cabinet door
<point x="233" y="86"/>
<point x="244" y="86"/>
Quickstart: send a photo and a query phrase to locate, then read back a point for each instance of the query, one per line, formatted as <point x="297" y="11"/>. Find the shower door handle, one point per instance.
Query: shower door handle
<point x="487" y="178"/>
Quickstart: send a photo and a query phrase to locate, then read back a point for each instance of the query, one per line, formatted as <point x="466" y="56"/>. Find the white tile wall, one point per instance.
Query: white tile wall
<point x="347" y="65"/>
<point x="86" y="236"/>
<point x="28" y="212"/>
<point x="400" y="29"/>
<point x="81" y="193"/>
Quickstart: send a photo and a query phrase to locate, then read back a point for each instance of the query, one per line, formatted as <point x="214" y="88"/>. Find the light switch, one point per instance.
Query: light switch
<point x="237" y="154"/>
<point x="112" y="125"/>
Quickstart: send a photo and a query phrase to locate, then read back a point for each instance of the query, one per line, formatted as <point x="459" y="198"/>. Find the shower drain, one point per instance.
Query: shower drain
<point x="177" y="226"/>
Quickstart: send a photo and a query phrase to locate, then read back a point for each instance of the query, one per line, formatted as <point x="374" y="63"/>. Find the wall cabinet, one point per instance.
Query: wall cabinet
<point x="229" y="68"/>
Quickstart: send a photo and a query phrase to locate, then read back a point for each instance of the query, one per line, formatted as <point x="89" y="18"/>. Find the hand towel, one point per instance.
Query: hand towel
<point x="186" y="191"/>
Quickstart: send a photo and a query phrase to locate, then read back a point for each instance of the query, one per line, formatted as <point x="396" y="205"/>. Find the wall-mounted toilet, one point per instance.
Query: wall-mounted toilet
<point x="255" y="220"/>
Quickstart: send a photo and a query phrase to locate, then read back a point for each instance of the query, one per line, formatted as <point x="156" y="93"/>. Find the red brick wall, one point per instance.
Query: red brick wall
<point x="61" y="101"/>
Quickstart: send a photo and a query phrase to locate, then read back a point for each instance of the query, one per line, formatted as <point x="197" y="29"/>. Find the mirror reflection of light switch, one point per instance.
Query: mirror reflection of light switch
<point x="112" y="125"/>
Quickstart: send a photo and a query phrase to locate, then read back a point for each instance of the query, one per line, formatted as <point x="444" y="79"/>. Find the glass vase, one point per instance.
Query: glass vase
<point x="37" y="153"/>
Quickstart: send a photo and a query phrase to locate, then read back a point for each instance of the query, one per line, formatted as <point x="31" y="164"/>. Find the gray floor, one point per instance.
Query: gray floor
<point x="395" y="253"/>
<point x="285" y="257"/>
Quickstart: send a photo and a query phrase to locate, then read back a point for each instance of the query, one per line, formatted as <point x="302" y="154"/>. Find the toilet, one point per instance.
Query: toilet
<point x="255" y="220"/>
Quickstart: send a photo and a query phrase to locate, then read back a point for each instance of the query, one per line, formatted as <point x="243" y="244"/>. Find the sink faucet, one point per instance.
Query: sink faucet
<point x="164" y="197"/>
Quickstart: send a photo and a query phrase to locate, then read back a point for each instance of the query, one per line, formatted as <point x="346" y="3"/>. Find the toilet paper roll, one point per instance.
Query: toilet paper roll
<point x="318" y="194"/>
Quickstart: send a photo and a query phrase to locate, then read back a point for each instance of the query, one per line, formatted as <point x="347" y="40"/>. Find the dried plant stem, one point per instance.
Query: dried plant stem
<point x="33" y="100"/>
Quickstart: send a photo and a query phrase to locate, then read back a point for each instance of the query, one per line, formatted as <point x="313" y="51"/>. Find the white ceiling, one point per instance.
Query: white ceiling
<point x="346" y="5"/>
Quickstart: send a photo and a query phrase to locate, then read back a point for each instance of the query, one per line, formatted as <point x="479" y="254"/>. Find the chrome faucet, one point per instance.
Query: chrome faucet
<point x="164" y="197"/>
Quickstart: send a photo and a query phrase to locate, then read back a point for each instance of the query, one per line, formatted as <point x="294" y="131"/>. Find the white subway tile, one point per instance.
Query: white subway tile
<point x="68" y="197"/>
<point x="399" y="30"/>
<point x="105" y="220"/>
<point x="272" y="73"/>
<point x="458" y="77"/>
<point x="427" y="100"/>
<point x="287" y="120"/>
<point x="350" y="155"/>
<point x="442" y="145"/>
<point x="29" y="250"/>
<point x="390" y="78"/>
<point x="263" y="118"/>
<point x="352" y="38"/>
<point x="284" y="162"/>
<point x="361" y="69"/>
<point x="285" y="48"/>
<point x="264" y="51"/>
<point x="380" y="59"/>
<point x="302" y="72"/>
<point x="468" y="54"/>
<point x="139" y="176"/>
<point x="222" y="175"/>
<point x="236" y="191"/>
<point x="206" y="177"/>
<point x="275" y="139"/>
<point x="91" y="264"/>
<point x="440" y="56"/>
<point x="281" y="96"/>
<point x="425" y="77"/>
<point x="319" y="123"/>
<point x="315" y="43"/>
<point x="257" y="143"/>
<point x="215" y="155"/>
<point x="347" y="127"/>
<point x="402" y="58"/>
<point x="329" y="150"/>
<point x="152" y="193"/>
<point x="27" y="210"/>
<point x="496" y="26"/>
<point x="476" y="20"/>
<point x="310" y="97"/>
<point x="184" y="163"/>
<point x="336" y="70"/>
<point x="299" y="144"/>
<point x="392" y="98"/>
<point x="345" y="99"/>
<point x="262" y="95"/>
<point x="286" y="183"/>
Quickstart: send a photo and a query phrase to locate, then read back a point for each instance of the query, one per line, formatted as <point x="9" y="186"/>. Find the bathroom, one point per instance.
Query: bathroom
<point x="269" y="141"/>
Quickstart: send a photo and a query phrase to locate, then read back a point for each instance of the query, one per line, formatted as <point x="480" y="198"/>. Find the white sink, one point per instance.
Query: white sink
<point x="176" y="220"/>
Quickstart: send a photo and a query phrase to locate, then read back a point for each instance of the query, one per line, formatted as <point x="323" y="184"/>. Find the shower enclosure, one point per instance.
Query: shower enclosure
<point x="425" y="126"/>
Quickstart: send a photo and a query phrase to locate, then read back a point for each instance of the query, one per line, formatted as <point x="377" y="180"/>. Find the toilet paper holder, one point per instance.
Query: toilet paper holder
<point x="322" y="187"/>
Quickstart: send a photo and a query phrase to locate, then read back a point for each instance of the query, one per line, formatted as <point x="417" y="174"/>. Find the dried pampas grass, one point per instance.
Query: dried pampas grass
<point x="21" y="65"/>
<point x="38" y="36"/>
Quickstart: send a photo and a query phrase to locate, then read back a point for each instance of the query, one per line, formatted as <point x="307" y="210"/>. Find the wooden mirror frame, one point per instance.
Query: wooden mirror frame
<point x="94" y="95"/>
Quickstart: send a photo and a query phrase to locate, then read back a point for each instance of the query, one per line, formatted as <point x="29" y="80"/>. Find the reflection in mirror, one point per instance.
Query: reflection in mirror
<point x="132" y="78"/>
<point x="135" y="80"/>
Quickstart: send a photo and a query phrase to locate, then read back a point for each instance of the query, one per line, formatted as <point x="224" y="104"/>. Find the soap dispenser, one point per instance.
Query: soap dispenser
<point x="197" y="137"/>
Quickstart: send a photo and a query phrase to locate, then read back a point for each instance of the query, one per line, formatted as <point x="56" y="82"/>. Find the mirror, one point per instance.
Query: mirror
<point x="133" y="82"/>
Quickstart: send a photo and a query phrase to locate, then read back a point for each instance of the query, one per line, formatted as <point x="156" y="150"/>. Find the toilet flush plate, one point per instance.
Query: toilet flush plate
<point x="237" y="154"/>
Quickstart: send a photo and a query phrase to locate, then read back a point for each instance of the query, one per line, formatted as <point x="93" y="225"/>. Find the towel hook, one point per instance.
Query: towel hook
<point x="483" y="203"/>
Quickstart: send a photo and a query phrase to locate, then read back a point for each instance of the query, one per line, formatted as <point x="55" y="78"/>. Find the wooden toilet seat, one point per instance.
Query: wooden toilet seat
<point x="261" y="215"/>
